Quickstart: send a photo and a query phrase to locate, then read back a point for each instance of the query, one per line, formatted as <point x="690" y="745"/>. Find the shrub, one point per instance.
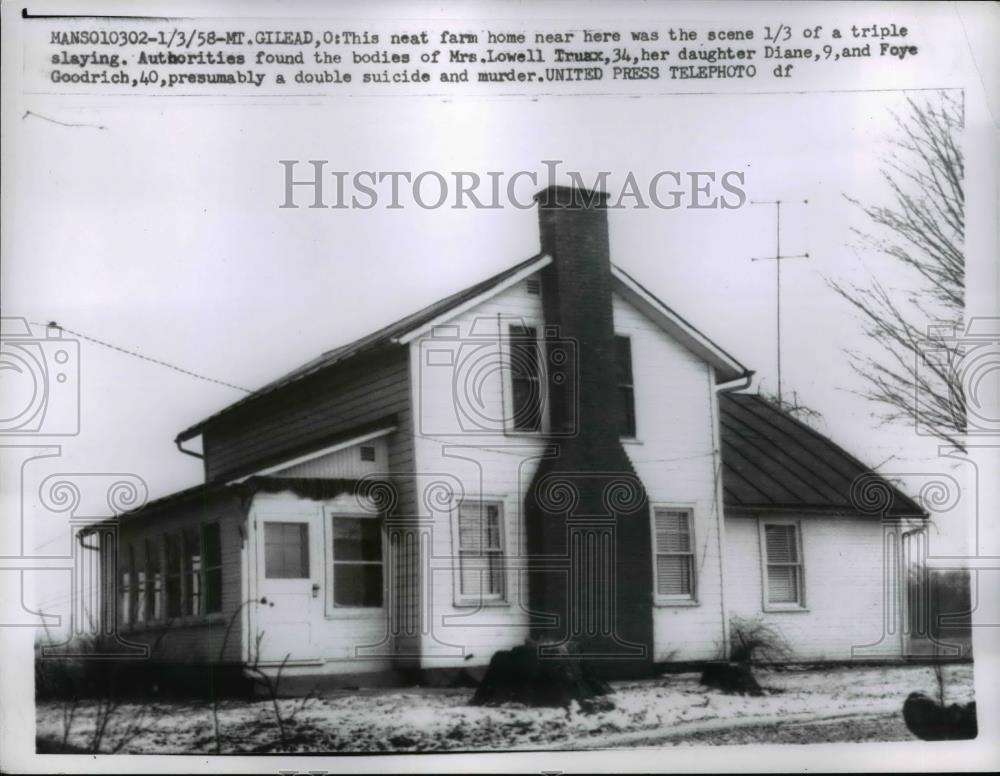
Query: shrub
<point x="752" y="642"/>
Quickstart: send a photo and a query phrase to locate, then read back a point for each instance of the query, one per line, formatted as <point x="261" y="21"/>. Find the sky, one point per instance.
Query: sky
<point x="161" y="233"/>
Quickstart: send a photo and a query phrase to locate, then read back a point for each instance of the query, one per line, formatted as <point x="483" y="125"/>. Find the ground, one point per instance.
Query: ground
<point x="801" y="706"/>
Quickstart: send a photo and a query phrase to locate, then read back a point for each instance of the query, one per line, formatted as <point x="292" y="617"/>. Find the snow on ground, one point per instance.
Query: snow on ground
<point x="802" y="705"/>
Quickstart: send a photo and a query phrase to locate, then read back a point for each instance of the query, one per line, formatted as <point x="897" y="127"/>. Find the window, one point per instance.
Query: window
<point x="674" y="553"/>
<point x="626" y="388"/>
<point x="192" y="572"/>
<point x="286" y="550"/>
<point x="525" y="379"/>
<point x="139" y="582"/>
<point x="211" y="546"/>
<point x="125" y="593"/>
<point x="784" y="565"/>
<point x="480" y="551"/>
<point x="367" y="453"/>
<point x="154" y="582"/>
<point x="357" y="561"/>
<point x="173" y="545"/>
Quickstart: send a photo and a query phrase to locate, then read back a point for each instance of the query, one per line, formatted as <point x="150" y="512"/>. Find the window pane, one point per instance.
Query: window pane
<point x="481" y="575"/>
<point x="479" y="527"/>
<point x="357" y="538"/>
<point x="673" y="574"/>
<point x="623" y="360"/>
<point x="673" y="530"/>
<point x="626" y="411"/>
<point x="153" y="581"/>
<point x="526" y="387"/>
<point x="139" y="599"/>
<point x="173" y="554"/>
<point x="192" y="571"/>
<point x="626" y="393"/>
<point x="212" y="545"/>
<point x="173" y="544"/>
<point x="780" y="544"/>
<point x="213" y="590"/>
<point x="173" y="596"/>
<point x="286" y="550"/>
<point x="357" y="584"/>
<point x="124" y="593"/>
<point x="782" y="584"/>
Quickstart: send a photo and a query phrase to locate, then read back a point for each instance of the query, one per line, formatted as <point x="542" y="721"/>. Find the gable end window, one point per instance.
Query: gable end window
<point x="783" y="566"/>
<point x="480" y="551"/>
<point x="674" y="554"/>
<point x="626" y="387"/>
<point x="525" y="379"/>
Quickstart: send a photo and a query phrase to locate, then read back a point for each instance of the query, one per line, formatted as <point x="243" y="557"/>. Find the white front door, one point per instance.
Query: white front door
<point x="287" y="611"/>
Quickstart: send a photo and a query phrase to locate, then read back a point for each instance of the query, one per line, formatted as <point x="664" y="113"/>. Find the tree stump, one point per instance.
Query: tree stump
<point x="521" y="675"/>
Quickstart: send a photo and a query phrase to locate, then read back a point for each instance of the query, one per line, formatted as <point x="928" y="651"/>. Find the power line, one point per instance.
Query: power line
<point x="127" y="352"/>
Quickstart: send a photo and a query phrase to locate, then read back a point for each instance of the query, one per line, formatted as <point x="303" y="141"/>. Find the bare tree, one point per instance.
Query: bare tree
<point x="912" y="371"/>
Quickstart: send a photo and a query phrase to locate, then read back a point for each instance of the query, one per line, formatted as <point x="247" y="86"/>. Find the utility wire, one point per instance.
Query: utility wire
<point x="127" y="352"/>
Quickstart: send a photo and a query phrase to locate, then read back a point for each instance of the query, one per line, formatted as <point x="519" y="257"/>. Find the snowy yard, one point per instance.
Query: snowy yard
<point x="802" y="706"/>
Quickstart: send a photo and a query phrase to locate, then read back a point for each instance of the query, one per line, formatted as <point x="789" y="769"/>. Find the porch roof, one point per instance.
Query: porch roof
<point x="306" y="487"/>
<point x="771" y="460"/>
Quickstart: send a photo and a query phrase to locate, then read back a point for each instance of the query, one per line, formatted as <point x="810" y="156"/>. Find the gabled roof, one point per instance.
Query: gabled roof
<point x="410" y="326"/>
<point x="772" y="460"/>
<point x="387" y="335"/>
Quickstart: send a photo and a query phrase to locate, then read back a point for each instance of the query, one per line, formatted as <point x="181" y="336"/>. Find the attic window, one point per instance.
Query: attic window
<point x="367" y="453"/>
<point x="533" y="286"/>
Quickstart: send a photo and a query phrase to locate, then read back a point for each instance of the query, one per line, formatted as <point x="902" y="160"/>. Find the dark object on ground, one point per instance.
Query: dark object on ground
<point x="929" y="720"/>
<point x="731" y="678"/>
<point x="521" y="675"/>
<point x="48" y="745"/>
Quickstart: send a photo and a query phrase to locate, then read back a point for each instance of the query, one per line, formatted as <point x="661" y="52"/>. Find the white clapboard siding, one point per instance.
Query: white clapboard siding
<point x="673" y="456"/>
<point x="842" y="576"/>
<point x="342" y="464"/>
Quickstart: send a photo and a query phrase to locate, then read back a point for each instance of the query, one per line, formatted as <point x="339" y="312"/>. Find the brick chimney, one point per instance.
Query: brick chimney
<point x="586" y="508"/>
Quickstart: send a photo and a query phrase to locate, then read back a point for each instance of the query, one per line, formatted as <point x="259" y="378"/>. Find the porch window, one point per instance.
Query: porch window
<point x="212" y="555"/>
<point x="174" y="573"/>
<point x="192" y="572"/>
<point x="126" y="574"/>
<point x="154" y="582"/>
<point x="784" y="565"/>
<point x="480" y="551"/>
<point x="357" y="561"/>
<point x="525" y="379"/>
<point x="626" y="387"/>
<point x="674" y="553"/>
<point x="139" y="582"/>
<point x="286" y="550"/>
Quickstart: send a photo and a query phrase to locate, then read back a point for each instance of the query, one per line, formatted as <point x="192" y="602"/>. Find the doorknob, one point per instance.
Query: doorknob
<point x="315" y="589"/>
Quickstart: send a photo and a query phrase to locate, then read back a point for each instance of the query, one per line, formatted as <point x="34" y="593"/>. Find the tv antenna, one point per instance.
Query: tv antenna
<point x="777" y="258"/>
